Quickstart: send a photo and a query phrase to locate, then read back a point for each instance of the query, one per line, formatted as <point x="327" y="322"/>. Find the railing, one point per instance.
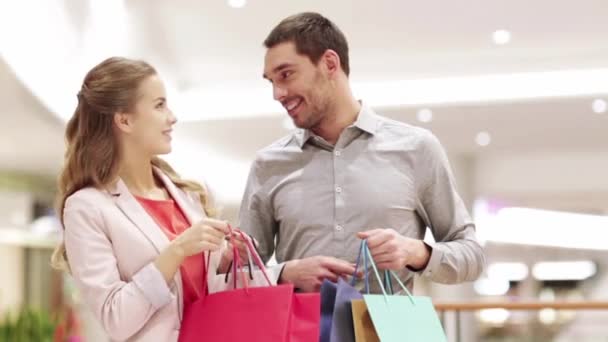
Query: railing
<point x="458" y="307"/>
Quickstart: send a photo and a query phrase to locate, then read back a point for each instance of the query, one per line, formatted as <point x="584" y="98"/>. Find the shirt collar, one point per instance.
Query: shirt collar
<point x="367" y="121"/>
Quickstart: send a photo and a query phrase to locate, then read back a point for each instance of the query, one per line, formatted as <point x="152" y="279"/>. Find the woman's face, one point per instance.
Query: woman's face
<point x="151" y="121"/>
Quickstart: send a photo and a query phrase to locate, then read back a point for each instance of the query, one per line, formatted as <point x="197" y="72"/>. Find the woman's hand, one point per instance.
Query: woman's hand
<point x="206" y="235"/>
<point x="227" y="256"/>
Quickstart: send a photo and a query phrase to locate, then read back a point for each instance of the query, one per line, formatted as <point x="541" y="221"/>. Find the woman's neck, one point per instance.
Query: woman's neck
<point x="137" y="174"/>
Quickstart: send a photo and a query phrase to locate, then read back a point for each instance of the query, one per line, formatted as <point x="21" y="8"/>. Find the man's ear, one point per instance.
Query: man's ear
<point x="331" y="60"/>
<point x="123" y="121"/>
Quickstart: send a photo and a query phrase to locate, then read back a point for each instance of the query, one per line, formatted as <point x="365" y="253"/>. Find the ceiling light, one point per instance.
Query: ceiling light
<point x="425" y="115"/>
<point x="501" y="37"/>
<point x="237" y="3"/>
<point x="483" y="138"/>
<point x="599" y="106"/>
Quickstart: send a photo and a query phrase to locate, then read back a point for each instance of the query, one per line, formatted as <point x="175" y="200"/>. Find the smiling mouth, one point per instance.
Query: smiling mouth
<point x="292" y="105"/>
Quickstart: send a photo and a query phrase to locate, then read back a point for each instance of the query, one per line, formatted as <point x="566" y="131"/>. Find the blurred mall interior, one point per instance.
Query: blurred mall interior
<point x="515" y="90"/>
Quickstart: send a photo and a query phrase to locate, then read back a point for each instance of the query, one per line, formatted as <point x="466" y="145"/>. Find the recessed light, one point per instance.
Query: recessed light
<point x="237" y="3"/>
<point x="599" y="106"/>
<point x="483" y="138"/>
<point x="425" y="115"/>
<point x="501" y="37"/>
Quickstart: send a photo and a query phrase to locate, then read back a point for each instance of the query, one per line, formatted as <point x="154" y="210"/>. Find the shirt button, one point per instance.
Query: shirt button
<point x="338" y="189"/>
<point x="339" y="228"/>
<point x="337" y="153"/>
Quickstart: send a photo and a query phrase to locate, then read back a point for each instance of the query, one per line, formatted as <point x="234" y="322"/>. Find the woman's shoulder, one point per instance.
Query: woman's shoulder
<point x="87" y="197"/>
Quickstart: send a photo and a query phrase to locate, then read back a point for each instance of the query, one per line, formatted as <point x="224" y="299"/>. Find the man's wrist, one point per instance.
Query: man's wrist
<point x="423" y="255"/>
<point x="285" y="274"/>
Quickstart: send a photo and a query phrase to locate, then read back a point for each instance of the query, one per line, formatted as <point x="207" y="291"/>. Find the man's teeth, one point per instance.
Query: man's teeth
<point x="293" y="104"/>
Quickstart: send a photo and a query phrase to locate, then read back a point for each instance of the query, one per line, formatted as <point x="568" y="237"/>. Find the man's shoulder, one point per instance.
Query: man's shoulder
<point x="286" y="144"/>
<point x="395" y="130"/>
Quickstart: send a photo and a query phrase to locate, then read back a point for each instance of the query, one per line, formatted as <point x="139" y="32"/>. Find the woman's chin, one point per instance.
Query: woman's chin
<point x="164" y="150"/>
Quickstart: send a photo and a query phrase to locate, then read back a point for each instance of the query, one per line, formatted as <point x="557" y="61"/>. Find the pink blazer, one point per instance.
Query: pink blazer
<point x="111" y="245"/>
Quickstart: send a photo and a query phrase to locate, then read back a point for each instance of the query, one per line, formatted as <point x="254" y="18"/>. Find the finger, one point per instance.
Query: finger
<point x="208" y="246"/>
<point x="384" y="258"/>
<point x="216" y="224"/>
<point x="385" y="248"/>
<point x="366" y="234"/>
<point x="215" y="232"/>
<point x="243" y="254"/>
<point x="327" y="274"/>
<point x="378" y="239"/>
<point x="239" y="233"/>
<point x="240" y="245"/>
<point x="338" y="266"/>
<point x="211" y="239"/>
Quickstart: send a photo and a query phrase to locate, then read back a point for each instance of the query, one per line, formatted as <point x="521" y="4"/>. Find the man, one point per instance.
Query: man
<point x="348" y="174"/>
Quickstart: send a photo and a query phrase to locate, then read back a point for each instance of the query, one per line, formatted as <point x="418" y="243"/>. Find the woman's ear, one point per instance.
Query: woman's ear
<point x="123" y="121"/>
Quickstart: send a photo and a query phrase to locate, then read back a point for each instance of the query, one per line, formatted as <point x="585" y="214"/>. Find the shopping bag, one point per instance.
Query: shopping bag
<point x="328" y="301"/>
<point x="362" y="322"/>
<point x="336" y="315"/>
<point x="304" y="319"/>
<point x="252" y="314"/>
<point x="401" y="318"/>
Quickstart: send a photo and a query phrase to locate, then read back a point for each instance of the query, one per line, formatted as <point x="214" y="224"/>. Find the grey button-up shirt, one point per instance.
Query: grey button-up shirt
<point x="305" y="197"/>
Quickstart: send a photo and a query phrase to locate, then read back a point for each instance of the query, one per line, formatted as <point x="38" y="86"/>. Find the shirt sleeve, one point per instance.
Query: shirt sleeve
<point x="456" y="256"/>
<point x="256" y="215"/>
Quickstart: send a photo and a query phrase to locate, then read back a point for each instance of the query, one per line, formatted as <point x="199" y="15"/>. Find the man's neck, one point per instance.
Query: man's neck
<point x="343" y="114"/>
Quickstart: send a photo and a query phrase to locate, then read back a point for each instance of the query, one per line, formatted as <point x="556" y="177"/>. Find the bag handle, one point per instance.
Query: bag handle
<point x="368" y="255"/>
<point x="206" y="261"/>
<point x="236" y="261"/>
<point x="256" y="257"/>
<point x="388" y="283"/>
<point x="251" y="253"/>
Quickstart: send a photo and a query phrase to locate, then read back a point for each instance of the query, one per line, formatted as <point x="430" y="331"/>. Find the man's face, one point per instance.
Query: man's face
<point x="302" y="87"/>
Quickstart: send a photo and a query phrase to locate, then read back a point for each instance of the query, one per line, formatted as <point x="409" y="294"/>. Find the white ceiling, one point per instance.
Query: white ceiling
<point x="389" y="39"/>
<point x="31" y="139"/>
<point x="205" y="45"/>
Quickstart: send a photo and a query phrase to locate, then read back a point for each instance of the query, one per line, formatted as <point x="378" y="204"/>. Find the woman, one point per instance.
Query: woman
<point x="135" y="232"/>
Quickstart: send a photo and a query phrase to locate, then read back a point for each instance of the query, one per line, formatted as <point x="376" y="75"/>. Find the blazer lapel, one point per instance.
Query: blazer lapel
<point x="127" y="203"/>
<point x="180" y="197"/>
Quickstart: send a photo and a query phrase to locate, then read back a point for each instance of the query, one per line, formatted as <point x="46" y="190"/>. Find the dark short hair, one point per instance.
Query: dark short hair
<point x="313" y="34"/>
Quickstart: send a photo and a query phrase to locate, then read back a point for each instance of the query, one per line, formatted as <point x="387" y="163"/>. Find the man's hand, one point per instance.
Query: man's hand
<point x="308" y="274"/>
<point x="392" y="251"/>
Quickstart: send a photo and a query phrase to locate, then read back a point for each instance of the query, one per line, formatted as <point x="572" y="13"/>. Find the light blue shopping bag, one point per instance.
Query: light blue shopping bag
<point x="400" y="318"/>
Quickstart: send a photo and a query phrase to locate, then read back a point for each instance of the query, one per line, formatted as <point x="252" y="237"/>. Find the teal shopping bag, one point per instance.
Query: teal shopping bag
<point x="401" y="318"/>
